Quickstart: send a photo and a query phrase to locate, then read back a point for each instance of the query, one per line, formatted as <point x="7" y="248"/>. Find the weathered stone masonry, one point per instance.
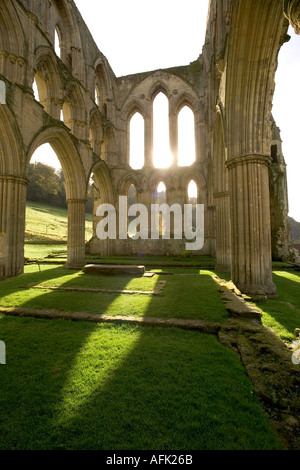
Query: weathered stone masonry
<point x="84" y="113"/>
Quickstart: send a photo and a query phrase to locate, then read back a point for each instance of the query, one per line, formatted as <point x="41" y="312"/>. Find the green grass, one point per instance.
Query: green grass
<point x="184" y="296"/>
<point x="57" y="251"/>
<point x="282" y="314"/>
<point x="49" y="225"/>
<point x="147" y="260"/>
<point x="77" y="385"/>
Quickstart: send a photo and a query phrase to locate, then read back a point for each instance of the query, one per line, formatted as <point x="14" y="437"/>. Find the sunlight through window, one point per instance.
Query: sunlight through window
<point x="97" y="95"/>
<point x="161" y="143"/>
<point x="186" y="137"/>
<point x="131" y="201"/>
<point x="57" y="45"/>
<point x="192" y="192"/>
<point x="161" y="199"/>
<point x="35" y="90"/>
<point x="192" y="199"/>
<point x="161" y="193"/>
<point x="136" y="157"/>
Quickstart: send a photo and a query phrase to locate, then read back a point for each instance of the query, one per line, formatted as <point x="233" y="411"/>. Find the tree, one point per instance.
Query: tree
<point x="45" y="185"/>
<point x="48" y="185"/>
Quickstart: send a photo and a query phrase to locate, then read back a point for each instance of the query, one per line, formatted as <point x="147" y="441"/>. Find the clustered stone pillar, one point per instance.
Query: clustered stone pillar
<point x="148" y="142"/>
<point x="292" y="12"/>
<point x="76" y="233"/>
<point x="250" y="225"/>
<point x="173" y="132"/>
<point x="12" y="225"/>
<point x="223" y="232"/>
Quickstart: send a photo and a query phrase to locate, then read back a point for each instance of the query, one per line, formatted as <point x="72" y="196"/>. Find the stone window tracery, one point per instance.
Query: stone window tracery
<point x="186" y="137"/>
<point x="57" y="42"/>
<point x="162" y="157"/>
<point x="136" y="143"/>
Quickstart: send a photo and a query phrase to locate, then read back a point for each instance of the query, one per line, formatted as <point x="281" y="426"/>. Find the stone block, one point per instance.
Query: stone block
<point x="114" y="269"/>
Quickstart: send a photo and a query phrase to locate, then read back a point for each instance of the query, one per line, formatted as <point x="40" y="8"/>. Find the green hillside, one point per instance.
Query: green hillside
<point x="47" y="228"/>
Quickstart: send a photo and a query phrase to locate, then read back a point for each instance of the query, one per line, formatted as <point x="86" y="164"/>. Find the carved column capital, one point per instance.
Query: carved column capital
<point x="291" y="10"/>
<point x="251" y="158"/>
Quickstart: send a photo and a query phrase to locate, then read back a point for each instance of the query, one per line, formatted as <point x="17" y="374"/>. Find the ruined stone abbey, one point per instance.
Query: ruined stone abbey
<point x="84" y="112"/>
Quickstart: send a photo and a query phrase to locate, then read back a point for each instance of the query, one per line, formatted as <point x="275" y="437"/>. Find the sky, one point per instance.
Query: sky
<point x="138" y="36"/>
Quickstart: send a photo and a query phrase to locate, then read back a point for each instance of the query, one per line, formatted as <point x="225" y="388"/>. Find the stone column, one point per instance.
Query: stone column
<point x="148" y="139"/>
<point x="223" y="232"/>
<point x="12" y="225"/>
<point x="76" y="233"/>
<point x="292" y="12"/>
<point x="32" y="22"/>
<point x="173" y="132"/>
<point x="250" y="225"/>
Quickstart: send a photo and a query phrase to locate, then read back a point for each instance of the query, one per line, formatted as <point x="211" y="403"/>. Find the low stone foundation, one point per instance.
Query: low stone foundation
<point x="114" y="269"/>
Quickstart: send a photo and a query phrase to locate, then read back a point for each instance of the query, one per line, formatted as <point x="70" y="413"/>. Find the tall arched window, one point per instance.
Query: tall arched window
<point x="161" y="198"/>
<point x="132" y="199"/>
<point x="35" y="90"/>
<point x="66" y="114"/>
<point x="97" y="95"/>
<point x="192" y="192"/>
<point x="186" y="137"/>
<point x="136" y="142"/>
<point x="192" y="199"/>
<point x="161" y="141"/>
<point x="57" y="42"/>
<point x="40" y="89"/>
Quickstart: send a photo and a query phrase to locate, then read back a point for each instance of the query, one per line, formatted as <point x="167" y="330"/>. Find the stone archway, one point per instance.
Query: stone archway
<point x="246" y="77"/>
<point x="12" y="196"/>
<point x="76" y="187"/>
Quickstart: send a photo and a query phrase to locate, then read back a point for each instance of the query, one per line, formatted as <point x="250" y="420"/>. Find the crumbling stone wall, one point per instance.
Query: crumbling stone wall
<point x="84" y="110"/>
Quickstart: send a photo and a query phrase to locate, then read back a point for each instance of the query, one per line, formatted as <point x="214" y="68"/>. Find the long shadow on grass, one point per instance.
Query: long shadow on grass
<point x="173" y="389"/>
<point x="159" y="389"/>
<point x="41" y="355"/>
<point x="86" y="386"/>
<point x="18" y="292"/>
<point x="285" y="309"/>
<point x="189" y="297"/>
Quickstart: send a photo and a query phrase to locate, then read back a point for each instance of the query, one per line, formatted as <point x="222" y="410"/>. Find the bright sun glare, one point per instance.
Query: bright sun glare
<point x="192" y="190"/>
<point x="162" y="156"/>
<point x="46" y="155"/>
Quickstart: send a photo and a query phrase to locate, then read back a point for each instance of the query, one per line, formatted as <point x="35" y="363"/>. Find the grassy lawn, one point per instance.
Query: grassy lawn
<point x="80" y="385"/>
<point x="186" y="295"/>
<point x="161" y="261"/>
<point x="57" y="251"/>
<point x="282" y="314"/>
<point x="77" y="385"/>
<point x="49" y="225"/>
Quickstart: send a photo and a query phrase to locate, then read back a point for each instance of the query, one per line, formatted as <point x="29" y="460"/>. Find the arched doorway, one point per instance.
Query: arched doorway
<point x="75" y="185"/>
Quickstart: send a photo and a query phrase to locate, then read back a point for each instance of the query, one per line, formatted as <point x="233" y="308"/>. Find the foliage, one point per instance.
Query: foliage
<point x="48" y="185"/>
<point x="45" y="185"/>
